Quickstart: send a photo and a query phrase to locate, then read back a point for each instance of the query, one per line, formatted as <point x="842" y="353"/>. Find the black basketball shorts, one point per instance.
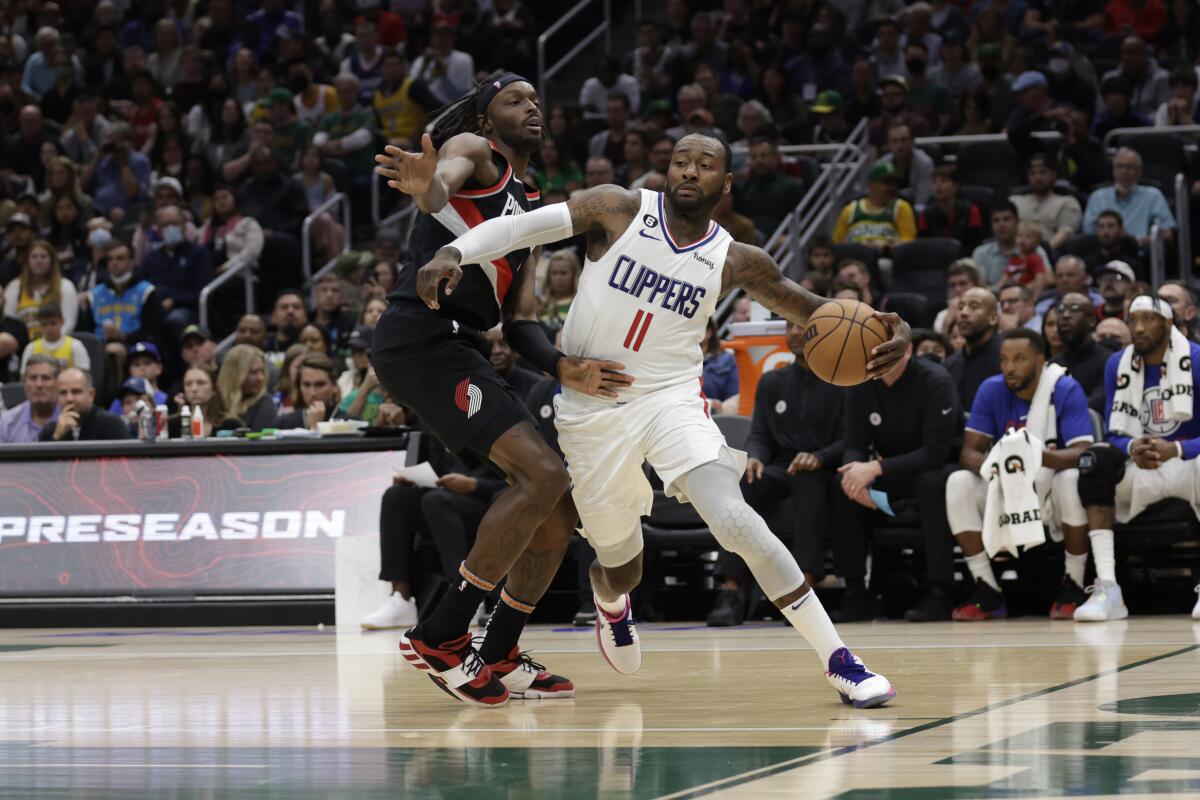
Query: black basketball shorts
<point x="444" y="374"/>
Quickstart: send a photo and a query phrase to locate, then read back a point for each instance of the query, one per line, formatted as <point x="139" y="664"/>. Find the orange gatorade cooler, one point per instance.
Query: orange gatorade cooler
<point x="757" y="347"/>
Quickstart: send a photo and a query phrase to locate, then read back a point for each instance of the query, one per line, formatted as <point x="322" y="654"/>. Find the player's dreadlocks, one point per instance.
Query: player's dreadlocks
<point x="459" y="116"/>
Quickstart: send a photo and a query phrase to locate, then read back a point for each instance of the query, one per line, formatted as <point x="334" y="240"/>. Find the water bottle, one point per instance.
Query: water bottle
<point x="198" y="423"/>
<point x="147" y="430"/>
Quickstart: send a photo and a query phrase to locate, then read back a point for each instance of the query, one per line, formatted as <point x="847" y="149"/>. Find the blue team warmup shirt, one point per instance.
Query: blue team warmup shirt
<point x="996" y="409"/>
<point x="1154" y="421"/>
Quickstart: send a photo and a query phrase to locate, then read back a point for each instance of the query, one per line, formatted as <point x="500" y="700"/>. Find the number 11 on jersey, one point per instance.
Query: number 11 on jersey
<point x="637" y="331"/>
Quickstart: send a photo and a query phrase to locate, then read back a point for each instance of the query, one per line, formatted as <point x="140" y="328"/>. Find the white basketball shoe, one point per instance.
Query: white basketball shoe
<point x="1196" y="608"/>
<point x="857" y="685"/>
<point x="618" y="639"/>
<point x="395" y="612"/>
<point x="1105" y="603"/>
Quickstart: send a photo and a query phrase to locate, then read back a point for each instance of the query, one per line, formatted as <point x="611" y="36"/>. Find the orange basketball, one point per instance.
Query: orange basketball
<point x="839" y="339"/>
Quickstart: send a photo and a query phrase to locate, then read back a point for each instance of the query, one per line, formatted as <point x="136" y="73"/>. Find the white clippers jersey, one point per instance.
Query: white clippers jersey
<point x="647" y="301"/>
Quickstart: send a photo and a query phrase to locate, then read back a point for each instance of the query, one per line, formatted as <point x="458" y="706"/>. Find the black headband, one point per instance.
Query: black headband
<point x="489" y="90"/>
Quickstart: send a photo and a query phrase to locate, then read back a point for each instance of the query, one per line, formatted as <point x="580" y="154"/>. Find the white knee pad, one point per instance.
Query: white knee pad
<point x="741" y="530"/>
<point x="1065" y="493"/>
<point x="966" y="496"/>
<point x="614" y="533"/>
<point x="714" y="491"/>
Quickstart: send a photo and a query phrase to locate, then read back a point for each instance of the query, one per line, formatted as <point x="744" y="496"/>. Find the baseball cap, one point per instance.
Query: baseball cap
<point x="827" y="101"/>
<point x="1028" y="80"/>
<point x="279" y="96"/>
<point x="883" y="171"/>
<point x="169" y="182"/>
<point x="1120" y="268"/>
<point x="137" y="386"/>
<point x="145" y="349"/>
<point x="20" y="218"/>
<point x="362" y="337"/>
<point x="894" y="80"/>
<point x="196" y="332"/>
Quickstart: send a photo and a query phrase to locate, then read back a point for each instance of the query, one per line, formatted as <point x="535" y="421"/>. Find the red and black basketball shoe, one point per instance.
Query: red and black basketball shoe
<point x="456" y="668"/>
<point x="983" y="604"/>
<point x="1070" y="597"/>
<point x="528" y="680"/>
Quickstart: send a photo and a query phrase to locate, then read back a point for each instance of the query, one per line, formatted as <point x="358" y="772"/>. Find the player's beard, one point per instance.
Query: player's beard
<point x="521" y="140"/>
<point x="693" y="203"/>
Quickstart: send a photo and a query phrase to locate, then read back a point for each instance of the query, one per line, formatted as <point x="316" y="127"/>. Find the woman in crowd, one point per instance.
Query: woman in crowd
<point x="242" y="384"/>
<point x="41" y="281"/>
<point x="559" y="288"/>
<point x="327" y="233"/>
<point x="67" y="237"/>
<point x="557" y="171"/>
<point x="372" y="311"/>
<point x="720" y="369"/>
<point x="315" y="339"/>
<point x="288" y="378"/>
<point x="1050" y="332"/>
<point x="200" y="389"/>
<point x="62" y="178"/>
<point x="229" y="134"/>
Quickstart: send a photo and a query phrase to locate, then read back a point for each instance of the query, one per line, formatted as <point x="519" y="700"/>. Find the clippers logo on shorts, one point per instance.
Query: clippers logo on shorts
<point x="468" y="397"/>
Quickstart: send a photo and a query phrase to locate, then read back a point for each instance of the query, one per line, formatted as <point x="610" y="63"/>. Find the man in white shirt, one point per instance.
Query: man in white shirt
<point x="449" y="73"/>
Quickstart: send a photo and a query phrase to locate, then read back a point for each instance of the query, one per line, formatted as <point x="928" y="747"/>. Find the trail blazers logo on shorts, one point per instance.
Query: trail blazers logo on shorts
<point x="468" y="397"/>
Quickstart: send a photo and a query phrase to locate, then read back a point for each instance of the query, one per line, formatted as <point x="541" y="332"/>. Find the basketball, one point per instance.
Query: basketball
<point x="839" y="339"/>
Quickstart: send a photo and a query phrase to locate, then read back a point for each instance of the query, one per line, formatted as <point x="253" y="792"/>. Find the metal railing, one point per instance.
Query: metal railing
<point x="981" y="138"/>
<point x="823" y="199"/>
<point x="306" y="234"/>
<point x="1166" y="130"/>
<point x="545" y="73"/>
<point x="1158" y="258"/>
<point x="1183" y="220"/>
<point x="246" y="271"/>
<point x="376" y="202"/>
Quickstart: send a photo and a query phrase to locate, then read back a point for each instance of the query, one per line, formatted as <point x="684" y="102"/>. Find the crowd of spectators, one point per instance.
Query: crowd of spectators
<point x="150" y="147"/>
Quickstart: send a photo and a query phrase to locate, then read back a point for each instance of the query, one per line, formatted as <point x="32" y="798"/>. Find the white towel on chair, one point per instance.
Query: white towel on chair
<point x="1012" y="515"/>
<point x="1125" y="415"/>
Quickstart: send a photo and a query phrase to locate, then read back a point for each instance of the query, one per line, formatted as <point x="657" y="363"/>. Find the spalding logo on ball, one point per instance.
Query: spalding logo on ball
<point x="839" y="339"/>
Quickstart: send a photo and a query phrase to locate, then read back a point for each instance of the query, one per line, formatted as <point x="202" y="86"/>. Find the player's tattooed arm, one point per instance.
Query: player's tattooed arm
<point x="603" y="209"/>
<point x="751" y="269"/>
<point x="432" y="176"/>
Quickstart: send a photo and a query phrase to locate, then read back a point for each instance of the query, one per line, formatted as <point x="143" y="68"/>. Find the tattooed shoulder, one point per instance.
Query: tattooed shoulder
<point x="591" y="208"/>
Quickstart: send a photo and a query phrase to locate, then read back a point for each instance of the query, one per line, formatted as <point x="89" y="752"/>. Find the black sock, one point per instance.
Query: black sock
<point x="504" y="629"/>
<point x="453" y="615"/>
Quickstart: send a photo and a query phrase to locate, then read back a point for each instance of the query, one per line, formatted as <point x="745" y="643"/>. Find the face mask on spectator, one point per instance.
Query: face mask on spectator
<point x="990" y="71"/>
<point x="298" y="85"/>
<point x="916" y="66"/>
<point x="1060" y="66"/>
<point x="172" y="235"/>
<point x="120" y="280"/>
<point x="934" y="357"/>
<point x="1111" y="342"/>
<point x="101" y="237"/>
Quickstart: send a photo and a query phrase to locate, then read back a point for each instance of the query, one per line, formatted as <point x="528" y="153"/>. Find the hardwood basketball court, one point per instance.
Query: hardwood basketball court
<point x="1024" y="708"/>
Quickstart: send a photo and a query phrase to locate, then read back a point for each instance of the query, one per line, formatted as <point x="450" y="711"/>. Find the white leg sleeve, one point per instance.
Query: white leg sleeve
<point x="715" y="494"/>
<point x="1067" y="504"/>
<point x="966" y="496"/>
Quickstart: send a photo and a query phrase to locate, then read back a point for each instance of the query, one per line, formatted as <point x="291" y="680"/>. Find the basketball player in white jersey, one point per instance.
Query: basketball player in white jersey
<point x="656" y="266"/>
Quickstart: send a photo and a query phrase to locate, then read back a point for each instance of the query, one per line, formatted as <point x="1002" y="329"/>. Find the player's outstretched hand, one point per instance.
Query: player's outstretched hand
<point x="443" y="267"/>
<point x="592" y="376"/>
<point x="885" y="356"/>
<point x="411" y="173"/>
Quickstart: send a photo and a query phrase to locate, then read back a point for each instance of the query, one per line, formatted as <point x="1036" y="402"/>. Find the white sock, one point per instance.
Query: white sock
<point x="808" y="616"/>
<point x="1102" y="554"/>
<point x="981" y="567"/>
<point x="614" y="608"/>
<point x="1076" y="565"/>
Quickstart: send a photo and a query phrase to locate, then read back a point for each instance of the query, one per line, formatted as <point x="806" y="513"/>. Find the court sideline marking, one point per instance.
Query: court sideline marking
<point x="766" y="772"/>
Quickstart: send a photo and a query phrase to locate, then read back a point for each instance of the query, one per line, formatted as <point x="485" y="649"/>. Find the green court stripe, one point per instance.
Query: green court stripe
<point x="767" y="772"/>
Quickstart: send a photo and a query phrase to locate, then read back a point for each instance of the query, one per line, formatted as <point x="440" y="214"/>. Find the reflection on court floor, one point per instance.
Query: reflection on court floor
<point x="1026" y="708"/>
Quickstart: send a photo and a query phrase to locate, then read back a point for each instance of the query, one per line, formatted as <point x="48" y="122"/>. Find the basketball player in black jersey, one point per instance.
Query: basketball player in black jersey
<point x="435" y="361"/>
